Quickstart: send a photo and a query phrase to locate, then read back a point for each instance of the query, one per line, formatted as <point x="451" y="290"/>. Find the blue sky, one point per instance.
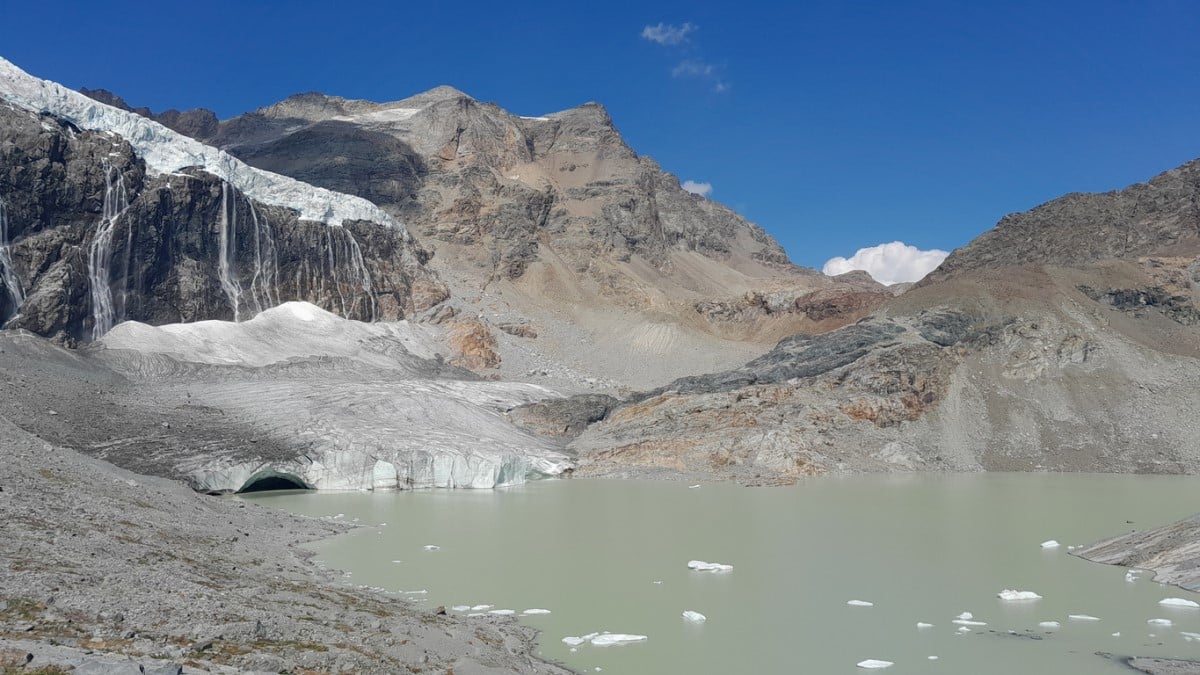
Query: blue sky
<point x="834" y="125"/>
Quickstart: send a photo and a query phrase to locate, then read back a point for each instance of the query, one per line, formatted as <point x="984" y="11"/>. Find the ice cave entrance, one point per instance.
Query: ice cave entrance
<point x="273" y="480"/>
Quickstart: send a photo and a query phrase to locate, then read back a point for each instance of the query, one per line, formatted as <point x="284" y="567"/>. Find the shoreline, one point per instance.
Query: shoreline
<point x="123" y="572"/>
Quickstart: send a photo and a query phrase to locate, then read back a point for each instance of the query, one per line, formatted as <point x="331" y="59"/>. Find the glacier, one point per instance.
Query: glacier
<point x="345" y="405"/>
<point x="166" y="151"/>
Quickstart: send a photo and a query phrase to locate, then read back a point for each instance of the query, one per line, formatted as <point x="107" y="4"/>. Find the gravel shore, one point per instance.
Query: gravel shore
<point x="104" y="570"/>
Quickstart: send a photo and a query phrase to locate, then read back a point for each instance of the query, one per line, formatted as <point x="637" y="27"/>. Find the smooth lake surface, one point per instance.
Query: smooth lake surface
<point x="921" y="548"/>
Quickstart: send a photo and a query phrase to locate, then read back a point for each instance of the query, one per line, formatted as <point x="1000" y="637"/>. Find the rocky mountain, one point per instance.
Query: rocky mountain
<point x="554" y="224"/>
<point x="1064" y="339"/>
<point x="105" y="216"/>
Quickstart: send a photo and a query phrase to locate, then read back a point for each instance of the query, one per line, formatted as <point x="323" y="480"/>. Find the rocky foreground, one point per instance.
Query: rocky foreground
<point x="107" y="571"/>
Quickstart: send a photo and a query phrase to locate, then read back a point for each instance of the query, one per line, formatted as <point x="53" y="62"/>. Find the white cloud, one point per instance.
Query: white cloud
<point x="888" y="264"/>
<point x="693" y="68"/>
<point x="702" y="189"/>
<point x="667" y="34"/>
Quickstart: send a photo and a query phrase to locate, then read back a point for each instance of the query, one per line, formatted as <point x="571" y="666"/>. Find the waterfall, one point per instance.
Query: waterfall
<point x="263" y="292"/>
<point x="226" y="270"/>
<point x="346" y="268"/>
<point x="116" y="201"/>
<point x="265" y="282"/>
<point x="11" y="283"/>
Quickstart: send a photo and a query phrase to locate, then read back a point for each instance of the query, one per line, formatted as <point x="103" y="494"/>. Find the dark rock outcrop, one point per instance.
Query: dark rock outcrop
<point x="95" y="239"/>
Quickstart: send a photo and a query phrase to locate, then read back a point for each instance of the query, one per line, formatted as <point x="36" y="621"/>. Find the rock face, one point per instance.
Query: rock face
<point x="1171" y="551"/>
<point x="1160" y="217"/>
<point x="557" y="222"/>
<point x="99" y="229"/>
<point x="1042" y="359"/>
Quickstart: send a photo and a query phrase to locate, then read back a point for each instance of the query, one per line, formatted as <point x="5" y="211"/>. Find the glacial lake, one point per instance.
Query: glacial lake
<point x="611" y="555"/>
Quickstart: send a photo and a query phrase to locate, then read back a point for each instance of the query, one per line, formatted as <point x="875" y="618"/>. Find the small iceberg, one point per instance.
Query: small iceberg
<point x="860" y="603"/>
<point x="1159" y="622"/>
<point x="693" y="487"/>
<point x="1049" y="624"/>
<point x="964" y="629"/>
<point x="461" y="608"/>
<point x="701" y="566"/>
<point x="431" y="547"/>
<point x="965" y="615"/>
<point x="694" y="617"/>
<point x="932" y="658"/>
<point x="1082" y="617"/>
<point x="1131" y="576"/>
<point x="609" y="639"/>
<point x="480" y="608"/>
<point x="921" y="625"/>
<point x="502" y="612"/>
<point x="875" y="663"/>
<point x="1117" y="634"/>
<point x="1179" y="602"/>
<point x="1012" y="596"/>
<point x="968" y="622"/>
<point x="572" y="641"/>
<point x="1190" y="637"/>
<point x="1050" y="544"/>
<point x="531" y="612"/>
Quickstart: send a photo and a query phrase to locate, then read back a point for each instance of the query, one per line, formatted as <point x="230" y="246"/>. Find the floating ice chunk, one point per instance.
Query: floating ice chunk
<point x="609" y="639"/>
<point x="1179" y="602"/>
<point x="1117" y="634"/>
<point x="968" y="622"/>
<point x="922" y="625"/>
<point x="480" y="608"/>
<point x="572" y="641"/>
<point x="1049" y="624"/>
<point x="965" y="615"/>
<point x="1050" y="544"/>
<point x="693" y="487"/>
<point x="860" y="603"/>
<point x="460" y="608"/>
<point x="1082" y="617"/>
<point x="397" y="561"/>
<point x="431" y="547"/>
<point x="875" y="663"/>
<point x="1159" y="622"/>
<point x="1010" y="595"/>
<point x="964" y="629"/>
<point x="502" y="612"/>
<point x="701" y="566"/>
<point x="475" y="614"/>
<point x="932" y="658"/>
<point x="1189" y="636"/>
<point x="694" y="617"/>
<point x="658" y="582"/>
<point x="530" y="612"/>
<point x="1130" y="576"/>
<point x="420" y="592"/>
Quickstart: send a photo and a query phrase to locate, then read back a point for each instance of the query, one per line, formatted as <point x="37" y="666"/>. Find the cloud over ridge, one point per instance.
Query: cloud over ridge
<point x="891" y="263"/>
<point x="667" y="33"/>
<point x="697" y="188"/>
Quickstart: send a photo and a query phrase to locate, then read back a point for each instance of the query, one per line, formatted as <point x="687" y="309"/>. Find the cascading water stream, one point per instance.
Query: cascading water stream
<point x="226" y="271"/>
<point x="116" y="201"/>
<point x="346" y="267"/>
<point x="265" y="281"/>
<point x="11" y="283"/>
